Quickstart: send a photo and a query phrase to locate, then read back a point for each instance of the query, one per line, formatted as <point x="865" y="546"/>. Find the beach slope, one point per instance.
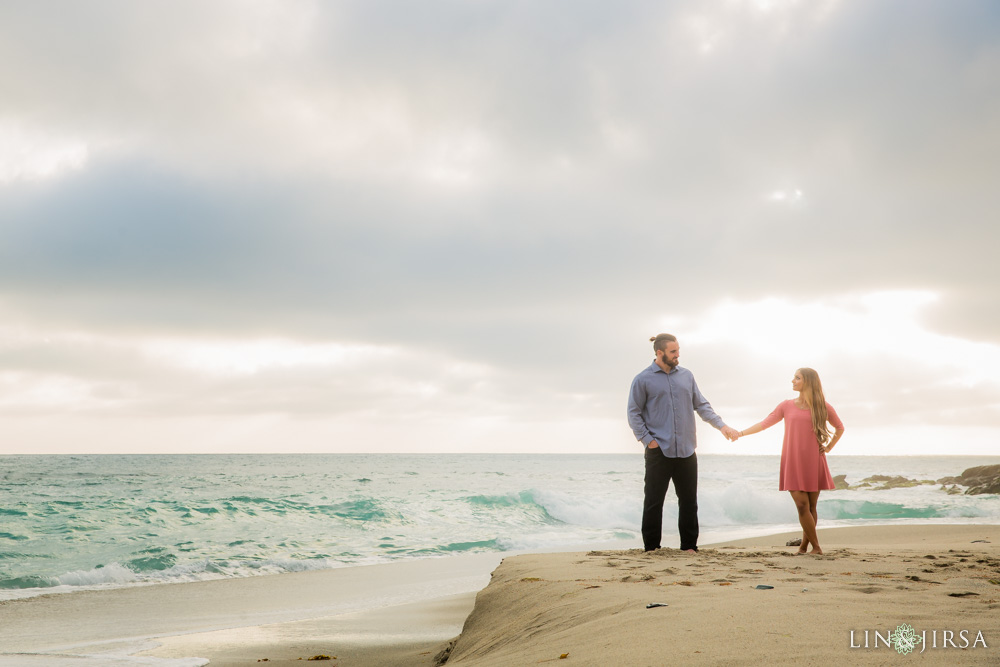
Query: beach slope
<point x="591" y="608"/>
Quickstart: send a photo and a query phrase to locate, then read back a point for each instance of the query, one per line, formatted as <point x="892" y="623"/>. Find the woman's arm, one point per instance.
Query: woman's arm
<point x="836" y="436"/>
<point x="835" y="421"/>
<point x="776" y="416"/>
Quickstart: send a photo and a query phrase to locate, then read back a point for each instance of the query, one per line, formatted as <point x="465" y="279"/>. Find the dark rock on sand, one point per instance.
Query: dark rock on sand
<point x="445" y="653"/>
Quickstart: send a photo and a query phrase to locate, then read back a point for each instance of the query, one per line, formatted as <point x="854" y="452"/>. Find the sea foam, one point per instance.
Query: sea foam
<point x="70" y="523"/>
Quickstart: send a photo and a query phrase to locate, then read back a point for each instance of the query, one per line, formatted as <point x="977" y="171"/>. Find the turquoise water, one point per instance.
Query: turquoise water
<point x="75" y="522"/>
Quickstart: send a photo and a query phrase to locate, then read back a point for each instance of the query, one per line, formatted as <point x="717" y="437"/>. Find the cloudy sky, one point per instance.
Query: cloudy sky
<point x="453" y="225"/>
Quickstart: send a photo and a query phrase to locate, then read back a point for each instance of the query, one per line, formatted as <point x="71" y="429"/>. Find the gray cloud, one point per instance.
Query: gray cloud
<point x="530" y="187"/>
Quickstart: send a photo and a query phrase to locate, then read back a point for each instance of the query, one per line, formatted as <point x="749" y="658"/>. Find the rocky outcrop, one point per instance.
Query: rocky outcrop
<point x="883" y="482"/>
<point x="979" y="480"/>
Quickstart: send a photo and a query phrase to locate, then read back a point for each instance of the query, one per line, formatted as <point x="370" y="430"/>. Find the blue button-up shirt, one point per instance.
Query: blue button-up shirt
<point x="661" y="407"/>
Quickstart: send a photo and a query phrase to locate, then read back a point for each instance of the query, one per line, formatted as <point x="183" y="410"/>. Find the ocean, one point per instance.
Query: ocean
<point x="70" y="523"/>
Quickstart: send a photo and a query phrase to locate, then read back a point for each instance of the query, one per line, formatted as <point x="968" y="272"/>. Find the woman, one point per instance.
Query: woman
<point x="804" y="472"/>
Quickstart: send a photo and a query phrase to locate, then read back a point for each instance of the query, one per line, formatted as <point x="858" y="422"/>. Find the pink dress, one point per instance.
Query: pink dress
<point x="803" y="466"/>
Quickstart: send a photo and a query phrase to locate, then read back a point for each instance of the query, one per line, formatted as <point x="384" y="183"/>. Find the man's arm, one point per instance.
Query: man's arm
<point x="705" y="411"/>
<point x="636" y="402"/>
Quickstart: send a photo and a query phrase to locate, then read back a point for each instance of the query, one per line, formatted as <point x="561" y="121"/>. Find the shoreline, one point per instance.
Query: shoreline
<point x="109" y="627"/>
<point x="404" y="613"/>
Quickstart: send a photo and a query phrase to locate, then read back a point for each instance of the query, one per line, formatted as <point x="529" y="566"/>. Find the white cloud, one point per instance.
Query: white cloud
<point x="888" y="325"/>
<point x="45" y="392"/>
<point x="786" y="196"/>
<point x="250" y="357"/>
<point x="30" y="154"/>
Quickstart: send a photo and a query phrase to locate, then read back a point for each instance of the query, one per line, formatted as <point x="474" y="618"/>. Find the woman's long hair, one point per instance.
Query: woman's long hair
<point x="812" y="394"/>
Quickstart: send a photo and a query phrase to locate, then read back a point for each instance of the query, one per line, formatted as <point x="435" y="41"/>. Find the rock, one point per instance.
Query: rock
<point x="445" y="653"/>
<point x="978" y="480"/>
<point x="897" y="482"/>
<point x="981" y="479"/>
<point x="981" y="471"/>
<point x="991" y="487"/>
<point x="797" y="542"/>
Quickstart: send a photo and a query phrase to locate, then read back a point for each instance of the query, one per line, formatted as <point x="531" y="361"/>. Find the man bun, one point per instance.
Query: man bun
<point x="660" y="341"/>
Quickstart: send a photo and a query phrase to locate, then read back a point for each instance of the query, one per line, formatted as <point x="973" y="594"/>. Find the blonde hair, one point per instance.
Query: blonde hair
<point x="812" y="394"/>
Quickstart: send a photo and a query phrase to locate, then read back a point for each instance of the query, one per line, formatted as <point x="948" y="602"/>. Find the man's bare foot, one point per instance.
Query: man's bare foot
<point x="690" y="551"/>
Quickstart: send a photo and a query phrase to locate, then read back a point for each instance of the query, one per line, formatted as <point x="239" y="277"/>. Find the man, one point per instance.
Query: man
<point x="661" y="407"/>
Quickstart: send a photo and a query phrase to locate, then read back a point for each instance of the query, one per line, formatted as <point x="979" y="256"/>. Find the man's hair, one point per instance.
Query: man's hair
<point x="660" y="341"/>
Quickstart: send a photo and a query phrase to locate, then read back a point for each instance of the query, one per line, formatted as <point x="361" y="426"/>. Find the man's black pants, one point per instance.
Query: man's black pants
<point x="659" y="471"/>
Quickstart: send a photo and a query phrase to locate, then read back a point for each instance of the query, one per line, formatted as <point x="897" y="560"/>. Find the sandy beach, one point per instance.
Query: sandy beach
<point x="592" y="607"/>
<point x="584" y="608"/>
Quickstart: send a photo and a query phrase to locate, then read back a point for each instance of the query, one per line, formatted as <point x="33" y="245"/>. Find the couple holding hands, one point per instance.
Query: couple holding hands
<point x="662" y="403"/>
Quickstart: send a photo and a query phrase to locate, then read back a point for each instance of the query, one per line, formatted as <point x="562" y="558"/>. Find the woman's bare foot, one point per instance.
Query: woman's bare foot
<point x="816" y="552"/>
